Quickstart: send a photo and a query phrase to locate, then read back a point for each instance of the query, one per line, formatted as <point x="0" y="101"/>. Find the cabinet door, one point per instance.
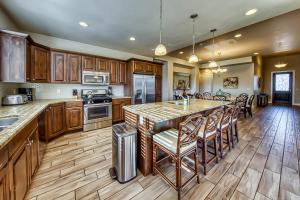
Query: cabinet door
<point x="122" y="72"/>
<point x="19" y="176"/>
<point x="59" y="67"/>
<point x="55" y="120"/>
<point x="74" y="68"/>
<point x="12" y="58"/>
<point x="125" y="103"/>
<point x="138" y="67"/>
<point x="116" y="110"/>
<point x="34" y="151"/>
<point x="101" y="65"/>
<point x="40" y="69"/>
<point x="149" y="68"/>
<point x="4" y="186"/>
<point x="74" y="118"/>
<point x="158" y="70"/>
<point x="113" y="69"/>
<point x="158" y="85"/>
<point x="88" y="63"/>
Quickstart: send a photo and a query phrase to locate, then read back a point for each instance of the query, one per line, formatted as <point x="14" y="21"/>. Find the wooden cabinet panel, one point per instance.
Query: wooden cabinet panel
<point x="149" y="68"/>
<point x="74" y="68"/>
<point x="4" y="184"/>
<point x="55" y="120"/>
<point x="88" y="63"/>
<point x="138" y="67"/>
<point x="158" y="70"/>
<point x="58" y="67"/>
<point x="74" y="118"/>
<point x="113" y="69"/>
<point x="34" y="151"/>
<point x="13" y="58"/>
<point x="158" y="85"/>
<point x="40" y="68"/>
<point x="101" y="65"/>
<point x="118" y="114"/>
<point x="122" y="72"/>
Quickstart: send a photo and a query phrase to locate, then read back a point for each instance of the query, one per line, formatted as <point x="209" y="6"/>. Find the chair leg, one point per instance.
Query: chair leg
<point x="236" y="132"/>
<point x="204" y="156"/>
<point x="216" y="149"/>
<point x="232" y="135"/>
<point x="221" y="144"/>
<point x="154" y="159"/>
<point x="196" y="165"/>
<point x="245" y="113"/>
<point x="228" y="138"/>
<point x="178" y="177"/>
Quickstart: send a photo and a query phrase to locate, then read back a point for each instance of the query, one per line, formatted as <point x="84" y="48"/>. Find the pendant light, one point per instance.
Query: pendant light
<point x="161" y="49"/>
<point x="280" y="65"/>
<point x="194" y="58"/>
<point x="213" y="63"/>
<point x="219" y="69"/>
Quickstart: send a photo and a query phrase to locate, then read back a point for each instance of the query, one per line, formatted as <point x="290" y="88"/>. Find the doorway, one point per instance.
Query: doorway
<point x="282" y="88"/>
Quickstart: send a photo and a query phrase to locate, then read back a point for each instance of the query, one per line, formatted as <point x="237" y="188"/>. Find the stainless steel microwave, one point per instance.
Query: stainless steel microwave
<point x="95" y="78"/>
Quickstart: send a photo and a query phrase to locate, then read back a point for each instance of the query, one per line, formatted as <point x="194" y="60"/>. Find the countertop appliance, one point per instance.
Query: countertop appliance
<point x="97" y="107"/>
<point x="95" y="78"/>
<point x="124" y="150"/>
<point x="29" y="92"/>
<point x="143" y="89"/>
<point x="16" y="99"/>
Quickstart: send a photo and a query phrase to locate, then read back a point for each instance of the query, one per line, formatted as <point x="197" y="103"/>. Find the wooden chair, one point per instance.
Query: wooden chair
<point x="219" y="98"/>
<point x="224" y="129"/>
<point x="227" y="96"/>
<point x="178" y="144"/>
<point x="241" y="101"/>
<point x="249" y="105"/>
<point x="233" y="124"/>
<point x="198" y="95"/>
<point x="207" y="133"/>
<point x="207" y="96"/>
<point x="244" y="95"/>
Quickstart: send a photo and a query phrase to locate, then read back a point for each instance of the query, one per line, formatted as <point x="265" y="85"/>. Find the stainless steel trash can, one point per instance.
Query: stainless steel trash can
<point x="124" y="141"/>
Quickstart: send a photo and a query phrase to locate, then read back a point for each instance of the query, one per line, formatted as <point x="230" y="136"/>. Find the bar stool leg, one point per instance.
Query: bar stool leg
<point x="204" y="155"/>
<point x="154" y="159"/>
<point x="232" y="135"/>
<point x="236" y="132"/>
<point x="178" y="177"/>
<point x="216" y="149"/>
<point x="228" y="138"/>
<point x="196" y="165"/>
<point x="221" y="144"/>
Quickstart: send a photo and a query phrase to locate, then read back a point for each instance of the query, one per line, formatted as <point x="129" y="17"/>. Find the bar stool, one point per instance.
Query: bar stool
<point x="207" y="96"/>
<point x="241" y="101"/>
<point x="207" y="133"/>
<point x="233" y="124"/>
<point x="178" y="144"/>
<point x="224" y="129"/>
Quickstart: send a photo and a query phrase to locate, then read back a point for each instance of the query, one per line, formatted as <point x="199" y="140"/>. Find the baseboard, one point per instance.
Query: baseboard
<point x="296" y="104"/>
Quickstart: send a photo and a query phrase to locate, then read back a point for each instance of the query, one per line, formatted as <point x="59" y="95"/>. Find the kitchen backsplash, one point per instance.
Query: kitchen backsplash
<point x="7" y="88"/>
<point x="61" y="91"/>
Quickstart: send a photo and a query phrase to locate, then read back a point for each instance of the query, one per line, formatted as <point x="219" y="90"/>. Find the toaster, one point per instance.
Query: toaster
<point x="17" y="99"/>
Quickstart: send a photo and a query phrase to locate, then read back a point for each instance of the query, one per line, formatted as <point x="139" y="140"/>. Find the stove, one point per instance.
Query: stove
<point x="97" y="106"/>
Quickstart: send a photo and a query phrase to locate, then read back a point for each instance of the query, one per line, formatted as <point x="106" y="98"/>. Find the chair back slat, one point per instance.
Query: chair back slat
<point x="235" y="112"/>
<point x="212" y="121"/>
<point x="226" y="117"/>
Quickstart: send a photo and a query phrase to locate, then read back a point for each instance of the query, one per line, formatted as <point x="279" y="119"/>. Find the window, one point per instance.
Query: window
<point x="282" y="82"/>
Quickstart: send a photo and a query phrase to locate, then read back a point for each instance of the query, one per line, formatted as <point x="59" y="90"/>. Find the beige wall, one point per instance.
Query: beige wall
<point x="293" y="62"/>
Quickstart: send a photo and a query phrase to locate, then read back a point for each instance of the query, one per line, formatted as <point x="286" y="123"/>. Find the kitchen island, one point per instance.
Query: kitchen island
<point x="153" y="118"/>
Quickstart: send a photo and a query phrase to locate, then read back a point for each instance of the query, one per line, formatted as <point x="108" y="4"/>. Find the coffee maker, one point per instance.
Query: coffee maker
<point x="29" y="92"/>
<point x="109" y="91"/>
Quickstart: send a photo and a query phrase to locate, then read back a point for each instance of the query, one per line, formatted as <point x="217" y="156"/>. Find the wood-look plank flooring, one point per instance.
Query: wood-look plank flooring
<point x="263" y="165"/>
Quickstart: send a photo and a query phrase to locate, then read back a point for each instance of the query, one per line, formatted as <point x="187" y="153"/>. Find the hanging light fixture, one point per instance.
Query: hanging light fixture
<point x="213" y="63"/>
<point x="280" y="65"/>
<point x="194" y="58"/>
<point x="161" y="49"/>
<point x="219" y="69"/>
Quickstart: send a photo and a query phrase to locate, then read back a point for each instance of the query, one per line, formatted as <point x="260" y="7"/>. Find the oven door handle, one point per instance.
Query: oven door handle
<point x="97" y="105"/>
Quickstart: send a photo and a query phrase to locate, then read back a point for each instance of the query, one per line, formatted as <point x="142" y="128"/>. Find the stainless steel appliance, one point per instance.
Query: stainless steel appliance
<point x="95" y="78"/>
<point x="17" y="99"/>
<point x="124" y="148"/>
<point x="143" y="89"/>
<point x="97" y="109"/>
<point x="29" y="92"/>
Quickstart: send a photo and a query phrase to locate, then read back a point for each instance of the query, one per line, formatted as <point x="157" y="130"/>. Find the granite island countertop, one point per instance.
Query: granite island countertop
<point x="168" y="110"/>
<point x="26" y="113"/>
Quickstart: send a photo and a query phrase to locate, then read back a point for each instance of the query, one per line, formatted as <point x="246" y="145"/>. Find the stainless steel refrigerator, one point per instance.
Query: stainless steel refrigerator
<point x="143" y="89"/>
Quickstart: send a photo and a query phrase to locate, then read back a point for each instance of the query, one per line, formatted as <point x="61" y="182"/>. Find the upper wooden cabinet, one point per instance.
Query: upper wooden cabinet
<point x="149" y="68"/>
<point x="59" y="67"/>
<point x="88" y="63"/>
<point x="74" y="68"/>
<point x="14" y="57"/>
<point x="144" y="67"/>
<point x="102" y="65"/>
<point x="40" y="64"/>
<point x="138" y="67"/>
<point x="158" y="70"/>
<point x="122" y="72"/>
<point x="113" y="69"/>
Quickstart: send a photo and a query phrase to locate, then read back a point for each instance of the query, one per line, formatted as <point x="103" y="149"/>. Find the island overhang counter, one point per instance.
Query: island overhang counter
<point x="153" y="118"/>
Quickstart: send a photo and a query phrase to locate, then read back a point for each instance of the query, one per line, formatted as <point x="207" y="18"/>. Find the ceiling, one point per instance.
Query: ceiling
<point x="112" y="22"/>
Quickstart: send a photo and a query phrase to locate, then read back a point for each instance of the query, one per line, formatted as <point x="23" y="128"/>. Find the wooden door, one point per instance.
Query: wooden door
<point x="101" y="65"/>
<point x="40" y="69"/>
<point x="88" y="63"/>
<point x="122" y="72"/>
<point x="4" y="184"/>
<point x="138" y="67"/>
<point x="113" y="69"/>
<point x="74" y="68"/>
<point x="59" y="67"/>
<point x="283" y="88"/>
<point x="34" y="151"/>
<point x="19" y="173"/>
<point x="12" y="58"/>
<point x="74" y="118"/>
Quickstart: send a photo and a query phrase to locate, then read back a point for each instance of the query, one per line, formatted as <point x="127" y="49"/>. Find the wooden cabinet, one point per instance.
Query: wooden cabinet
<point x="59" y="67"/>
<point x="40" y="64"/>
<point x="113" y="69"/>
<point x="117" y="109"/>
<point x="74" y="68"/>
<point x="102" y="65"/>
<point x="158" y="89"/>
<point x="138" y="67"/>
<point x="74" y="116"/>
<point x="122" y="73"/>
<point x="4" y="176"/>
<point x="13" y="57"/>
<point x="34" y="151"/>
<point x="158" y="70"/>
<point x="149" y="68"/>
<point x="55" y="121"/>
<point x="88" y="63"/>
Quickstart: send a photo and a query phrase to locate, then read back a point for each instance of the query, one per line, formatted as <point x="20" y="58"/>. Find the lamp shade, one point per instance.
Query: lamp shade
<point x="160" y="50"/>
<point x="280" y="65"/>
<point x="213" y="64"/>
<point x="193" y="59"/>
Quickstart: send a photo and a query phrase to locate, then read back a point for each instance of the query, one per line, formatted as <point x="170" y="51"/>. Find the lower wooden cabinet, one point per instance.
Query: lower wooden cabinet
<point x="117" y="109"/>
<point x="4" y="178"/>
<point x="74" y="116"/>
<point x="55" y="121"/>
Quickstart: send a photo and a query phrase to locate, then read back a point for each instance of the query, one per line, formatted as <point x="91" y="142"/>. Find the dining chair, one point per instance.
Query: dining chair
<point x="208" y="133"/>
<point x="219" y="98"/>
<point x="198" y="95"/>
<point x="233" y="124"/>
<point x="227" y="95"/>
<point x="178" y="144"/>
<point x="249" y="105"/>
<point x="207" y="96"/>
<point x="241" y="101"/>
<point x="224" y="130"/>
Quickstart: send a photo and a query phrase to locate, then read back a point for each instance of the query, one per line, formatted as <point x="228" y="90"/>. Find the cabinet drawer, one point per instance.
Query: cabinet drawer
<point x="71" y="104"/>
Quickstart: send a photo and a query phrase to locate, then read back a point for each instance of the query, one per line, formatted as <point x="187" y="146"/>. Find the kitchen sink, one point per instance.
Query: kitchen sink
<point x="8" y="120"/>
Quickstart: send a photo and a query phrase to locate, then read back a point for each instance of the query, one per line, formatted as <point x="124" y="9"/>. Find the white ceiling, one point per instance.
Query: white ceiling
<point x="112" y="22"/>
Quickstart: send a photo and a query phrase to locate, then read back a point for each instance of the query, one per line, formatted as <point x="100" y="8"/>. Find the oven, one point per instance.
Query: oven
<point x="95" y="78"/>
<point x="97" y="116"/>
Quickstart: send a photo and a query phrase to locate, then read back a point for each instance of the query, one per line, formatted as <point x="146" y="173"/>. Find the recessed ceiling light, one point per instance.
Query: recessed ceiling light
<point x="181" y="52"/>
<point x="83" y="24"/>
<point x="238" y="35"/>
<point x="132" y="38"/>
<point x="251" y="12"/>
<point x="255" y="53"/>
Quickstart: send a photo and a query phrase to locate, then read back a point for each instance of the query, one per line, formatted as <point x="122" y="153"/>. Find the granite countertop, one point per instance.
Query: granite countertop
<point x="164" y="111"/>
<point x="25" y="113"/>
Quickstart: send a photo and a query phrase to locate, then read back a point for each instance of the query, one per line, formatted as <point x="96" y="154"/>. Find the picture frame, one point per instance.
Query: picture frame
<point x="231" y="82"/>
